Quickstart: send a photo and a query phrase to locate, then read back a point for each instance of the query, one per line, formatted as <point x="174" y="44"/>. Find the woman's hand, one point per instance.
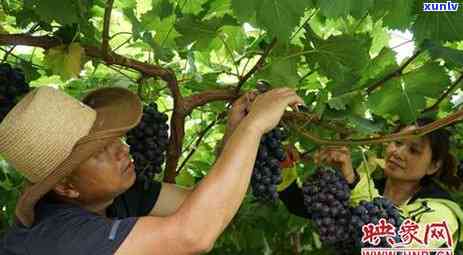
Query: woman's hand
<point x="337" y="156"/>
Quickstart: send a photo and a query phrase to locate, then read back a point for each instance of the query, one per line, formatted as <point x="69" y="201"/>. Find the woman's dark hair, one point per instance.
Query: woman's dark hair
<point x="440" y="146"/>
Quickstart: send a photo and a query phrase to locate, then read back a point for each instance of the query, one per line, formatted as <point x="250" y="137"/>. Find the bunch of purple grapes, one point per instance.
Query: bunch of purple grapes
<point x="13" y="85"/>
<point x="371" y="212"/>
<point x="267" y="172"/>
<point x="326" y="198"/>
<point x="148" y="142"/>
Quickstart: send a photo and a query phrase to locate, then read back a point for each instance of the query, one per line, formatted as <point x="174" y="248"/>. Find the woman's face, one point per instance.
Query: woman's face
<point x="409" y="160"/>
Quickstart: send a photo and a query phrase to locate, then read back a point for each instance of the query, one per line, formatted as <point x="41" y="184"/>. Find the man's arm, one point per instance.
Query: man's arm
<point x="170" y="199"/>
<point x="207" y="211"/>
<point x="172" y="196"/>
<point x="200" y="219"/>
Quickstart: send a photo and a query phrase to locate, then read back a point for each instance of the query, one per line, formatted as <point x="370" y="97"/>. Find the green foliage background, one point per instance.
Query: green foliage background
<point x="333" y="52"/>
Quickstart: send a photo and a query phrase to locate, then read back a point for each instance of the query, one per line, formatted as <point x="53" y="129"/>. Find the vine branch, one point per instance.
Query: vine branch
<point x="393" y="74"/>
<point x="230" y="52"/>
<point x="200" y="136"/>
<point x="177" y="128"/>
<point x="106" y="23"/>
<point x="5" y="57"/>
<point x="257" y="66"/>
<point x="47" y="42"/>
<point x="420" y="131"/>
<point x="444" y="95"/>
<point x="208" y="96"/>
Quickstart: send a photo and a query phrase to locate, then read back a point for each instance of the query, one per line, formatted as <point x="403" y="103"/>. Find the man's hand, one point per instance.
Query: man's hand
<point x="239" y="110"/>
<point x="337" y="156"/>
<point x="268" y="108"/>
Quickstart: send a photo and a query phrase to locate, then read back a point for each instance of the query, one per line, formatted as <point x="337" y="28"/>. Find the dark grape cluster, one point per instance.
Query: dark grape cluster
<point x="267" y="173"/>
<point x="326" y="198"/>
<point x="371" y="212"/>
<point x="148" y="142"/>
<point x="12" y="86"/>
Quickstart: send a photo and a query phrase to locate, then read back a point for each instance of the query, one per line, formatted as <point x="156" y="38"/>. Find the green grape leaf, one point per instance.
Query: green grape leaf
<point x="289" y="176"/>
<point x="203" y="82"/>
<point x="337" y="103"/>
<point x="281" y="72"/>
<point x="380" y="37"/>
<point x="31" y="72"/>
<point x="406" y="101"/>
<point x="281" y="17"/>
<point x="137" y="27"/>
<point x="219" y="8"/>
<point x="342" y="8"/>
<point x="340" y="57"/>
<point x="429" y="80"/>
<point x="162" y="53"/>
<point x="390" y="100"/>
<point x="192" y="6"/>
<point x="449" y="55"/>
<point x="364" y="125"/>
<point x="395" y="14"/>
<point x="130" y="4"/>
<point x="234" y="37"/>
<point x="378" y="68"/>
<point x="320" y="106"/>
<point x="343" y="84"/>
<point x="192" y="29"/>
<point x="438" y="26"/>
<point x="162" y="8"/>
<point x="165" y="30"/>
<point x="65" y="60"/>
<point x="185" y="178"/>
<point x="68" y="10"/>
<point x="244" y="9"/>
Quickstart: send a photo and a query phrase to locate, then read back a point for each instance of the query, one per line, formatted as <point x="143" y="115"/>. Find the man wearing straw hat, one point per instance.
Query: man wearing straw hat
<point x="78" y="171"/>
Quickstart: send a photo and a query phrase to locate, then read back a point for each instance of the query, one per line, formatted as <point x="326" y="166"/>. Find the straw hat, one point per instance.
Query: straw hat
<point x="48" y="134"/>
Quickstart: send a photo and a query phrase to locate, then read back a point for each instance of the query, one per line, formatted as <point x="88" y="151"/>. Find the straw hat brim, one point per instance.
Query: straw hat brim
<point x="118" y="110"/>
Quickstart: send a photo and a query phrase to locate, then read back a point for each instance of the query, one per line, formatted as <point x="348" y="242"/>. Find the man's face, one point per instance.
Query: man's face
<point x="105" y="175"/>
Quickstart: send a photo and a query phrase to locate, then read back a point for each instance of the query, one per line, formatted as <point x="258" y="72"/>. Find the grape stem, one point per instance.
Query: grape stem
<point x="415" y="133"/>
<point x="393" y="74"/>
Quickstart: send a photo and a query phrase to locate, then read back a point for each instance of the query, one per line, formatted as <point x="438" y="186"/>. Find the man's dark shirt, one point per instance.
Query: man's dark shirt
<point x="68" y="229"/>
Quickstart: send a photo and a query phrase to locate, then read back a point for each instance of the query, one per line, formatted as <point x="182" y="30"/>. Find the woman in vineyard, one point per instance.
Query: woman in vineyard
<point x="412" y="167"/>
